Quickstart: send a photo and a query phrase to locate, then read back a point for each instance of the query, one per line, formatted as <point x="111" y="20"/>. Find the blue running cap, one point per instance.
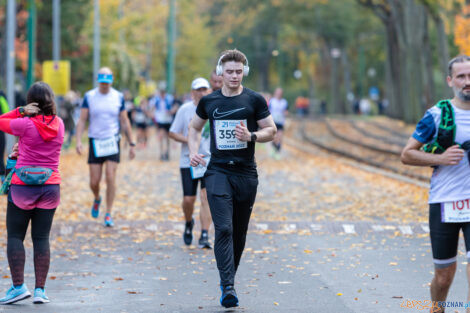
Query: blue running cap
<point x="105" y="78"/>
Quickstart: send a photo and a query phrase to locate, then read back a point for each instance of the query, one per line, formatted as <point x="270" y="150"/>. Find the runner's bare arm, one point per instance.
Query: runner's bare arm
<point x="178" y="137"/>
<point x="266" y="132"/>
<point x="194" y="139"/>
<point x="411" y="155"/>
<point x="126" y="125"/>
<point x="80" y="129"/>
<point x="267" y="129"/>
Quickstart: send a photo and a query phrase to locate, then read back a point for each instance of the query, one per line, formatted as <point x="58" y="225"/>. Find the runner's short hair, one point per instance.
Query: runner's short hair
<point x="42" y="94"/>
<point x="458" y="59"/>
<point x="233" y="55"/>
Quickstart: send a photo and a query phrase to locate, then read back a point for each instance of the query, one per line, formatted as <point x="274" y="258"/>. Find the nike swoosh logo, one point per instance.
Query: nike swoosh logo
<point x="216" y="114"/>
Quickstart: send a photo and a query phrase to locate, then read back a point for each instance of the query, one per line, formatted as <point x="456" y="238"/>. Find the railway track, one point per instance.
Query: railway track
<point x="372" y="144"/>
<point x="372" y="132"/>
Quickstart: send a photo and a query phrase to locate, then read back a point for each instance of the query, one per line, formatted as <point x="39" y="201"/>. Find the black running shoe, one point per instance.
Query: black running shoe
<point x="229" y="297"/>
<point x="188" y="232"/>
<point x="204" y="240"/>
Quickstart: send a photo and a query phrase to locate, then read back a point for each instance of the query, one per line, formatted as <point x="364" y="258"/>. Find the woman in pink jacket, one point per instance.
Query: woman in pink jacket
<point x="35" y="187"/>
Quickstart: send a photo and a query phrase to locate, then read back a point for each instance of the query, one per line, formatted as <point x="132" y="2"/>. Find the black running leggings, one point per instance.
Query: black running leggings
<point x="231" y="199"/>
<point x="17" y="225"/>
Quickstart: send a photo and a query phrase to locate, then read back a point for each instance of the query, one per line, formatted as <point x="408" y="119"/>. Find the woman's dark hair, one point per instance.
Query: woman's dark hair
<point x="42" y="94"/>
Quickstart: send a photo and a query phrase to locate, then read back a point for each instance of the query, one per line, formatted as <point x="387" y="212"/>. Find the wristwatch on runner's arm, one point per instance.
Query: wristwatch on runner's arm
<point x="253" y="137"/>
<point x="132" y="144"/>
<point x="21" y="111"/>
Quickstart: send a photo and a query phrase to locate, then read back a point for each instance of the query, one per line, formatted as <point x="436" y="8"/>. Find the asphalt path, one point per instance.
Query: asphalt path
<point x="318" y="272"/>
<point x="324" y="237"/>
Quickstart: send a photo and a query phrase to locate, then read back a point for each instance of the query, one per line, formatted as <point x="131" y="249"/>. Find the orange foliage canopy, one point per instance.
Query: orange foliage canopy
<point x="462" y="30"/>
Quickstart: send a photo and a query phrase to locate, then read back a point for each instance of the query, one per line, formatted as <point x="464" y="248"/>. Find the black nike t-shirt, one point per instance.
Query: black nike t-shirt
<point x="224" y="113"/>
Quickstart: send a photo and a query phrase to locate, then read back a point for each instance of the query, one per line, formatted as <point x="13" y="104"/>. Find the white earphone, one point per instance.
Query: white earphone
<point x="219" y="68"/>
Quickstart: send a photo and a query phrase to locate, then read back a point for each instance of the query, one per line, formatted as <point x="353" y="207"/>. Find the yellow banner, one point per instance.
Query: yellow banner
<point x="57" y="75"/>
<point x="147" y="88"/>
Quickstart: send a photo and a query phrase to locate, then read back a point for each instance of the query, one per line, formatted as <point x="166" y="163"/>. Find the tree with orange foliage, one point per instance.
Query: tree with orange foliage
<point x="462" y="30"/>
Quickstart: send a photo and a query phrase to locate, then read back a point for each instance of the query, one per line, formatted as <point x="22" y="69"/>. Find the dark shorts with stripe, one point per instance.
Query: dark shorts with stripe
<point x="445" y="237"/>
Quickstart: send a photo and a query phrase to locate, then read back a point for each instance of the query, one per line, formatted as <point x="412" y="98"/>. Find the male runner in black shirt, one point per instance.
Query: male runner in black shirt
<point x="238" y="118"/>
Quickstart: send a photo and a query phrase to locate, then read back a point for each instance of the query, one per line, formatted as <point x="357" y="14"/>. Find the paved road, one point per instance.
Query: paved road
<point x="128" y="269"/>
<point x="324" y="237"/>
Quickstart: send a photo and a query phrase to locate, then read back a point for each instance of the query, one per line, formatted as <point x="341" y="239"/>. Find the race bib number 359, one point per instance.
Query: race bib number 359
<point x="225" y="135"/>
<point x="455" y="211"/>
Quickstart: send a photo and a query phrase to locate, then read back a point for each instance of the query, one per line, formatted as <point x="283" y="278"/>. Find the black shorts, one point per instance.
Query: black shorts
<point x="279" y="126"/>
<point x="189" y="184"/>
<point x="165" y="126"/>
<point x="94" y="160"/>
<point x="141" y="125"/>
<point x="445" y="237"/>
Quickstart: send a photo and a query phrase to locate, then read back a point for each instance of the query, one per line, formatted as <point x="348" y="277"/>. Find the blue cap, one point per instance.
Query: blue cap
<point x="105" y="78"/>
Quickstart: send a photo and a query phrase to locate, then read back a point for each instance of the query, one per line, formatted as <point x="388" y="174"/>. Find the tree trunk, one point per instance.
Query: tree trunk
<point x="394" y="92"/>
<point x="408" y="18"/>
<point x="406" y="29"/>
<point x="334" y="91"/>
<point x="346" y="104"/>
<point x="443" y="52"/>
<point x="428" y="77"/>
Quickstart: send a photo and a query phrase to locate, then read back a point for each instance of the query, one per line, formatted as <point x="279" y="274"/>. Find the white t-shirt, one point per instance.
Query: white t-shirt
<point x="278" y="107"/>
<point x="162" y="108"/>
<point x="103" y="112"/>
<point x="448" y="182"/>
<point x="181" y="126"/>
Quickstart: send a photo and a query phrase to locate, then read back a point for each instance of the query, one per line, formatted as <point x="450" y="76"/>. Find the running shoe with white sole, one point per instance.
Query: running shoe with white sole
<point x="188" y="232"/>
<point x="40" y="296"/>
<point x="204" y="240"/>
<point x="15" y="294"/>
<point x="108" y="220"/>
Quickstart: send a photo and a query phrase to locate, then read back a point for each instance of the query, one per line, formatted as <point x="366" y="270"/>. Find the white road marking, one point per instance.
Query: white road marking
<point x="405" y="229"/>
<point x="349" y="228"/>
<point x="261" y="226"/>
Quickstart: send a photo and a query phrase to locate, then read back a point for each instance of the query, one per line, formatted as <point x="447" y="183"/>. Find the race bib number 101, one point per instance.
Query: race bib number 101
<point x="225" y="135"/>
<point x="455" y="211"/>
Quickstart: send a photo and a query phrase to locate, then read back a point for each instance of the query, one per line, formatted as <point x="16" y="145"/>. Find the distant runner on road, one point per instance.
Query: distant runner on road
<point x="163" y="108"/>
<point x="278" y="108"/>
<point x="105" y="110"/>
<point x="445" y="133"/>
<point x="238" y="117"/>
<point x="190" y="177"/>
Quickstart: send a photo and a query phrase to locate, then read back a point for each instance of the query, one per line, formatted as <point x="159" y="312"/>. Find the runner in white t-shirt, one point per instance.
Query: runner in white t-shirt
<point x="278" y="109"/>
<point x="104" y="108"/>
<point x="163" y="108"/>
<point x="449" y="194"/>
<point x="189" y="176"/>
